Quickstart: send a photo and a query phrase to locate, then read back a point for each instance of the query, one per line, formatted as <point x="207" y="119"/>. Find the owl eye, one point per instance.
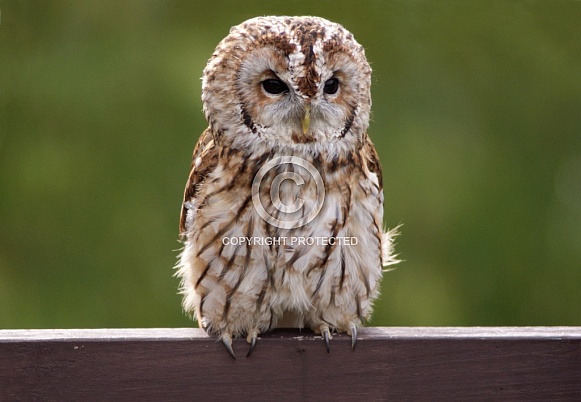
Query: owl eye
<point x="331" y="86"/>
<point x="274" y="86"/>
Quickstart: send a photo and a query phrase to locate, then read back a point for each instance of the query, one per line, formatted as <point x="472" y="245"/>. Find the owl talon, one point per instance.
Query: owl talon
<point x="326" y="336"/>
<point x="252" y="341"/>
<point x="227" y="341"/>
<point x="353" y="337"/>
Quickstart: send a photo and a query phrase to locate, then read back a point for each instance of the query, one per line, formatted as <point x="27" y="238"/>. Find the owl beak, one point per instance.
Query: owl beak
<point x="307" y="118"/>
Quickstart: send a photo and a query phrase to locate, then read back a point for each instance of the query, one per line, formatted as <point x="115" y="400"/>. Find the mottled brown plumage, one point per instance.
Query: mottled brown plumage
<point x="282" y="219"/>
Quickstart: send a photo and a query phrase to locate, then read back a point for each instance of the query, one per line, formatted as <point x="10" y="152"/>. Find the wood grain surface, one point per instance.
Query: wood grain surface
<point x="419" y="363"/>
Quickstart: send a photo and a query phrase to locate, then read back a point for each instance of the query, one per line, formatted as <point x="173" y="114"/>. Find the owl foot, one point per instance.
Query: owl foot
<point x="353" y="336"/>
<point x="326" y="336"/>
<point x="227" y="341"/>
<point x="251" y="339"/>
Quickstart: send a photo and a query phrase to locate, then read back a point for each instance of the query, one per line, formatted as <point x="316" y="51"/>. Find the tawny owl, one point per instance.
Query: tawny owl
<point x="282" y="218"/>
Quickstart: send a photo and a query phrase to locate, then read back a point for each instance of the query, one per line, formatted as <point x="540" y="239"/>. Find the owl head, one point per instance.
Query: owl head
<point x="299" y="82"/>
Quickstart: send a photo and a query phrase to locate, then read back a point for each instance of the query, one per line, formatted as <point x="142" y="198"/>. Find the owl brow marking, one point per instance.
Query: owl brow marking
<point x="307" y="36"/>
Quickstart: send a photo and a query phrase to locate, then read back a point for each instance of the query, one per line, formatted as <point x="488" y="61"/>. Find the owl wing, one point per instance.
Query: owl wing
<point x="204" y="161"/>
<point x="387" y="236"/>
<point x="372" y="159"/>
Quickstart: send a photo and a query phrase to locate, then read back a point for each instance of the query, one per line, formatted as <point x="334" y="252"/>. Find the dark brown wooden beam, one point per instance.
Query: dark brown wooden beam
<point x="490" y="363"/>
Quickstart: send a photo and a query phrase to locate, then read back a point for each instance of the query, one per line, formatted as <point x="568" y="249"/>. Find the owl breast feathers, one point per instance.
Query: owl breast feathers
<point x="282" y="218"/>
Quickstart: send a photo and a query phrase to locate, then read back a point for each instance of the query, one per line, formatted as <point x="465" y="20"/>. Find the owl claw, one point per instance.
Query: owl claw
<point x="227" y="341"/>
<point x="353" y="337"/>
<point x="326" y="336"/>
<point x="252" y="341"/>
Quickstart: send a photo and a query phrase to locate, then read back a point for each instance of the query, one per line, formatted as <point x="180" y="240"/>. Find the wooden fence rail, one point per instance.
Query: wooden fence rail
<point x="436" y="363"/>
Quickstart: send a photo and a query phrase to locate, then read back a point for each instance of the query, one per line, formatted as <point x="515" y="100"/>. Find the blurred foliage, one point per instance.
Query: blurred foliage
<point x="477" y="119"/>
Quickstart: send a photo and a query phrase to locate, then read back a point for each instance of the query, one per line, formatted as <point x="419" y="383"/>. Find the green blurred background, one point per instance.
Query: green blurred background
<point x="477" y="119"/>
